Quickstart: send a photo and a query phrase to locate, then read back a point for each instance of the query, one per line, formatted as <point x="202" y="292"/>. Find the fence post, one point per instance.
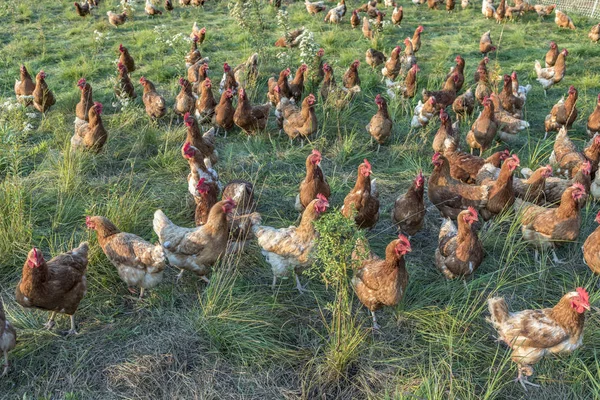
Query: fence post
<point x="594" y="8"/>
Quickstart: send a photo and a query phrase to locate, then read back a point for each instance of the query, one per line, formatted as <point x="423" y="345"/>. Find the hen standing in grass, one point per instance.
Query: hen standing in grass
<point x="380" y="126"/>
<point x="206" y="103"/>
<point x="381" y="282"/>
<point x="138" y="262"/>
<point x="224" y="112"/>
<point x="290" y="249"/>
<point x="362" y="202"/>
<point x="532" y="334"/>
<point x="56" y="286"/>
<point x="409" y="209"/>
<point x="593" y="122"/>
<point x="550" y="76"/>
<point x="124" y="87"/>
<point x="8" y="338"/>
<point x="126" y="59"/>
<point x="85" y="102"/>
<point x="154" y="103"/>
<point x="43" y="98"/>
<point x="249" y="118"/>
<point x="314" y="182"/>
<point x="24" y="87"/>
<point x="184" y="101"/>
<point x="91" y="134"/>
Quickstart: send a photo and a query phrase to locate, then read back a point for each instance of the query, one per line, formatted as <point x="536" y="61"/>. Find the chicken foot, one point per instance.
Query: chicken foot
<point x="6" y="364"/>
<point x="524" y="372"/>
<point x="300" y="288"/>
<point x="376" y="326"/>
<point x="73" y="331"/>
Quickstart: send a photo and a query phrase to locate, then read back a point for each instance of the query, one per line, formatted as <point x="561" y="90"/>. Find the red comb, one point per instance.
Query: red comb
<point x="583" y="294"/>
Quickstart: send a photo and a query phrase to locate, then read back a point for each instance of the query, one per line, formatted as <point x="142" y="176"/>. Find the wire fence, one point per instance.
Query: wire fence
<point x="588" y="8"/>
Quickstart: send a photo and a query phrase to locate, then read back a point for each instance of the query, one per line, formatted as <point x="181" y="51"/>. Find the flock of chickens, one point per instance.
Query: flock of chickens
<point x="462" y="186"/>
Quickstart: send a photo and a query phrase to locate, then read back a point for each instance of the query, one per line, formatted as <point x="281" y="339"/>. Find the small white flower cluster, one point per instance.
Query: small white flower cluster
<point x="128" y="4"/>
<point x="9" y="105"/>
<point x="308" y="47"/>
<point x="284" y="58"/>
<point x="283" y="20"/>
<point x="27" y="127"/>
<point x="161" y="37"/>
<point x="239" y="10"/>
<point x="122" y="101"/>
<point x="101" y="37"/>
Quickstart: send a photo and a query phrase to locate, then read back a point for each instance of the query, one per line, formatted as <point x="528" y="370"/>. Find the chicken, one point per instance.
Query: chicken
<point x="168" y="5"/>
<point x="331" y="93"/>
<point x="509" y="102"/>
<point x="594" y="34"/>
<point x="299" y="121"/>
<point x="532" y="334"/>
<point x="199" y="171"/>
<point x="532" y="188"/>
<point x="334" y="15"/>
<point x="56" y="286"/>
<point x="154" y="103"/>
<point x="397" y="15"/>
<point x="382" y="282"/>
<point x="380" y="126"/>
<point x="444" y="133"/>
<point x="242" y="193"/>
<point x="314" y="182"/>
<point x="200" y="33"/>
<point x="126" y="59"/>
<point x="593" y="121"/>
<point x="555" y="186"/>
<point x="282" y="83"/>
<point x="484" y="129"/>
<point x="464" y="4"/>
<point x="90" y="134"/>
<point x="450" y="195"/>
<point x="459" y="252"/>
<point x="464" y="104"/>
<point x="368" y="33"/>
<point x="184" y="101"/>
<point x="487" y="9"/>
<point x="416" y="39"/>
<point x="408" y="88"/>
<point x="551" y="55"/>
<point x="500" y="13"/>
<point x="481" y="68"/>
<point x="483" y="90"/>
<point x="591" y="255"/>
<point x="43" y="98"/>
<point x="549" y="228"/>
<point x="297" y="84"/>
<point x="450" y="6"/>
<point x="124" y="87"/>
<point x="563" y="113"/>
<point x="467" y="167"/>
<point x="543" y="11"/>
<point x="196" y="74"/>
<point x="224" y="112"/>
<point x="194" y="54"/>
<point x="433" y="4"/>
<point x="444" y="97"/>
<point x="409" y="208"/>
<point x="203" y="142"/>
<point x="423" y="113"/>
<point x="458" y="70"/>
<point x="550" y="76"/>
<point x="501" y="195"/>
<point x="566" y="156"/>
<point x="291" y="39"/>
<point x="151" y="9"/>
<point x="116" y="19"/>
<point x="206" y="198"/>
<point x="85" y="102"/>
<point x="8" y="338"/>
<point x="290" y="249"/>
<point x="392" y="65"/>
<point x="247" y="73"/>
<point x="206" y="103"/>
<point x="362" y="203"/>
<point x="82" y="8"/>
<point x="562" y="20"/>
<point x="517" y="90"/>
<point x="354" y="19"/>
<point x="508" y="125"/>
<point x="374" y="57"/>
<point x="314" y="7"/>
<point x="138" y="262"/>
<point x="408" y="59"/>
<point x="249" y="118"/>
<point x="228" y="81"/>
<point x="24" y="87"/>
<point x="319" y="74"/>
<point x="351" y="80"/>
<point x="485" y="44"/>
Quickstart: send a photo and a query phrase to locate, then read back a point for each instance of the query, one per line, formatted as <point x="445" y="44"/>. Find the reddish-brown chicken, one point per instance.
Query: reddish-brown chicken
<point x="206" y="199"/>
<point x="392" y="65"/>
<point x="228" y="81"/>
<point x="249" y="118"/>
<point x="593" y="122"/>
<point x="362" y="203"/>
<point x="299" y="121"/>
<point x="351" y="78"/>
<point x="563" y="113"/>
<point x="283" y="85"/>
<point x="483" y="131"/>
<point x="202" y="142"/>
<point x="126" y="59"/>
<point x="124" y="87"/>
<point x="380" y="126"/>
<point x="184" y="101"/>
<point x="532" y="334"/>
<point x="56" y="286"/>
<point x="91" y="134"/>
<point x="501" y="194"/>
<point x="43" y="98"/>
<point x="459" y="252"/>
<point x="551" y="55"/>
<point x="24" y="87"/>
<point x="591" y="249"/>
<point x="224" y="111"/>
<point x="154" y="103"/>
<point x="409" y="208"/>
<point x="379" y="281"/>
<point x="297" y="84"/>
<point x="85" y="102"/>
<point x="314" y="182"/>
<point x="82" y="8"/>
<point x="206" y="103"/>
<point x="550" y="76"/>
<point x="562" y="20"/>
<point x="485" y="44"/>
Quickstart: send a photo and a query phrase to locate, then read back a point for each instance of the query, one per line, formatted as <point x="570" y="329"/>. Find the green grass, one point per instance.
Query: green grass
<point x="235" y="338"/>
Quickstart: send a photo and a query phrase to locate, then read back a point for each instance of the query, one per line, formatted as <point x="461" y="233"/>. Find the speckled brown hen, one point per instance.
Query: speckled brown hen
<point x="249" y="118"/>
<point x="314" y="182"/>
<point x="380" y="126"/>
<point x="155" y="104"/>
<point x="56" y="286"/>
<point x="362" y="202"/>
<point x="409" y="208"/>
<point x="382" y="282"/>
<point x="484" y="129"/>
<point x="90" y="135"/>
<point x="184" y="101"/>
<point x="43" y="98"/>
<point x="206" y="103"/>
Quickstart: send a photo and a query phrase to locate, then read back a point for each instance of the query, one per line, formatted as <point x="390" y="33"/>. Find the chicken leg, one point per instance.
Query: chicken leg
<point x="376" y="326"/>
<point x="73" y="331"/>
<point x="524" y="372"/>
<point x="6" y="364"/>
<point x="300" y="288"/>
<point x="50" y="324"/>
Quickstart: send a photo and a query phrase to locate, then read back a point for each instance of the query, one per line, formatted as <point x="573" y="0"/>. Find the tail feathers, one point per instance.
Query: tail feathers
<point x="538" y="68"/>
<point x="82" y="249"/>
<point x="498" y="311"/>
<point x="255" y="220"/>
<point x="159" y="223"/>
<point x="448" y="229"/>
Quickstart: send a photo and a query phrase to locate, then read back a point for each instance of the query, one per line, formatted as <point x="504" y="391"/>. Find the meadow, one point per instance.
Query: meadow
<point x="235" y="338"/>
